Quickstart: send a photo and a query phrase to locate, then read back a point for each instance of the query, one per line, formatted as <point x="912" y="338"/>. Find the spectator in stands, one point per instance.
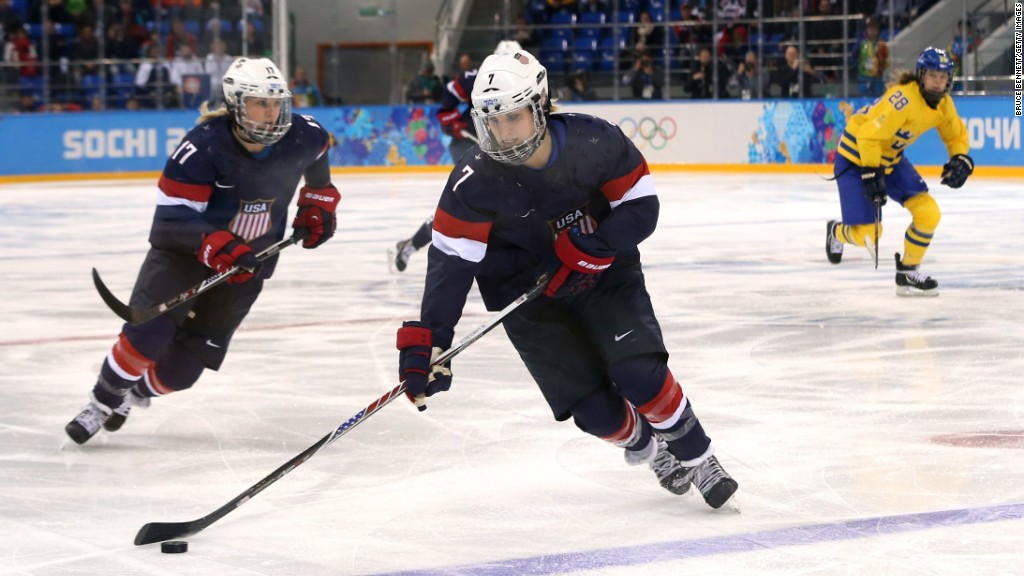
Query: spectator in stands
<point x="86" y="52"/>
<point x="19" y="50"/>
<point x="702" y="83"/>
<point x="526" y="35"/>
<point x="650" y="37"/>
<point x="643" y="79"/>
<point x="425" y="87"/>
<point x="579" y="89"/>
<point x="692" y="34"/>
<point x="304" y="93"/>
<point x="58" y="51"/>
<point x="466" y="64"/>
<point x="153" y="86"/>
<point x="750" y="80"/>
<point x="214" y="31"/>
<point x="825" y="42"/>
<point x="965" y="36"/>
<point x="178" y="37"/>
<point x="27" y="104"/>
<point x="121" y="48"/>
<point x="9" y="19"/>
<point x="253" y="45"/>
<point x="788" y="76"/>
<point x="217" y="63"/>
<point x="185" y="63"/>
<point x="872" y="60"/>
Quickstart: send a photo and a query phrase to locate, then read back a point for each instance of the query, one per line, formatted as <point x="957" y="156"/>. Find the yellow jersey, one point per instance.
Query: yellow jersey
<point x="877" y="134"/>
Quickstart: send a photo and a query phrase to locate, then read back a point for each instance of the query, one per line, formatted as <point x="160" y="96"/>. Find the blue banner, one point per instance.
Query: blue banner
<point x="800" y="132"/>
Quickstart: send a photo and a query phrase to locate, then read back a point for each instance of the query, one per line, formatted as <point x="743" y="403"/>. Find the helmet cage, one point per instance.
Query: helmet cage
<point x="517" y="153"/>
<point x="504" y="84"/>
<point x="939" y="60"/>
<point x="257" y="79"/>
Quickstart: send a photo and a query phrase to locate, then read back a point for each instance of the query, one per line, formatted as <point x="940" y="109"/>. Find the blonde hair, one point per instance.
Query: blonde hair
<point x="903" y="77"/>
<point x="205" y="114"/>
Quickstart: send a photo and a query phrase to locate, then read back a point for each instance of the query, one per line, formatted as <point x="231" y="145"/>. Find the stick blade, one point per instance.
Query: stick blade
<point x="115" y="305"/>
<point x="161" y="531"/>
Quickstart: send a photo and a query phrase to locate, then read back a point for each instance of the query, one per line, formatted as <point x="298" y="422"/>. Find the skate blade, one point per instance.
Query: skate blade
<point x="908" y="292"/>
<point x="869" y="244"/>
<point x="391" y="261"/>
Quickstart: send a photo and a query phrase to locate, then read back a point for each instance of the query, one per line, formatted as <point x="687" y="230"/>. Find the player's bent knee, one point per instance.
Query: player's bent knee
<point x="925" y="211"/>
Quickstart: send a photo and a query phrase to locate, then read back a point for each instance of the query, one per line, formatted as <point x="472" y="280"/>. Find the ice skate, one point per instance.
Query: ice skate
<point x="120" y="414"/>
<point x="833" y="247"/>
<point x="713" y="482"/>
<point x="671" y="475"/>
<point x="910" y="281"/>
<point x="88" y="422"/>
<point x="398" y="257"/>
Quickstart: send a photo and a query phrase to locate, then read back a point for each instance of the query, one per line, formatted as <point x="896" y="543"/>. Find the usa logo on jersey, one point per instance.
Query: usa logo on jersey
<point x="252" y="220"/>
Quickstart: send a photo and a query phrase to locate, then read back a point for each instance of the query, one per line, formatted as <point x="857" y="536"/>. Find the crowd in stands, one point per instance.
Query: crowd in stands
<point x="712" y="48"/>
<point x="123" y="54"/>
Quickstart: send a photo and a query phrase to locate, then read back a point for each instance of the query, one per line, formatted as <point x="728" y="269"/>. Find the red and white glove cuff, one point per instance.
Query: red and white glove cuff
<point x="578" y="260"/>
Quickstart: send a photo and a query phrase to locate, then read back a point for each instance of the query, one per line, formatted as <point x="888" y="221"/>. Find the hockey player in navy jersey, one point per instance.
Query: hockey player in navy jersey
<point x="223" y="196"/>
<point x="457" y="123"/>
<point x="566" y="197"/>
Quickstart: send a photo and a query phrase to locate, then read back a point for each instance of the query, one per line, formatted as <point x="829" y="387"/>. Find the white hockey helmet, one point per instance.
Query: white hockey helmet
<point x="257" y="78"/>
<point x="505" y="84"/>
<point x="507" y="47"/>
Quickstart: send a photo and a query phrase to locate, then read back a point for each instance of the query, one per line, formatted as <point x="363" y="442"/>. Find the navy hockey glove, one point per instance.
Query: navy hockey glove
<point x="222" y="250"/>
<point x="415" y="356"/>
<point x="575" y="266"/>
<point x="873" y="180"/>
<point x="316" y="214"/>
<point x="956" y="171"/>
<point x="452" y="123"/>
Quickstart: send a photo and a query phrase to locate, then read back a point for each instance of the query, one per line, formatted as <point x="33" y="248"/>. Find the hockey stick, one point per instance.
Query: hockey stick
<point x="468" y="136"/>
<point x="136" y="316"/>
<point x="878" y="217"/>
<point x="161" y="531"/>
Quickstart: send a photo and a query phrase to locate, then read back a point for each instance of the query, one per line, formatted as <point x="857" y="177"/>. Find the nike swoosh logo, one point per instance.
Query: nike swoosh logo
<point x="620" y="337"/>
<point x="210" y="343"/>
<point x="219" y="185"/>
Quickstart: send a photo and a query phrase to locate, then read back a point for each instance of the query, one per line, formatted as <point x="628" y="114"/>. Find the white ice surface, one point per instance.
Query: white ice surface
<point x="854" y="421"/>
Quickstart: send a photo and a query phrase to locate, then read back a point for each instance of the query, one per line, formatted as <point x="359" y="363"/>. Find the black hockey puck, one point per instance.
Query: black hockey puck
<point x="174" y="547"/>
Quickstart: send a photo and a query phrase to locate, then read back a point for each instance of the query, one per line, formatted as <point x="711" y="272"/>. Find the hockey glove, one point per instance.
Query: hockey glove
<point x="222" y="250"/>
<point x="576" y="265"/>
<point x="956" y="171"/>
<point x="452" y="123"/>
<point x="415" y="356"/>
<point x="316" y="214"/>
<point x="873" y="180"/>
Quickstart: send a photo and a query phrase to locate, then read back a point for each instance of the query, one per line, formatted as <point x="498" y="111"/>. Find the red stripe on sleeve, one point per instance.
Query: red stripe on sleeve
<point x="191" y="192"/>
<point x="615" y="189"/>
<point x="453" y="227"/>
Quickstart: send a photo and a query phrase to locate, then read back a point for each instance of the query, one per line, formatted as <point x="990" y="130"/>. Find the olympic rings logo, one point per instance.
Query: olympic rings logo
<point x="656" y="133"/>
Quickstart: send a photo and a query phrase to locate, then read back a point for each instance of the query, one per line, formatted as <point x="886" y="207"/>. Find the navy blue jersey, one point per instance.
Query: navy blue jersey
<point x="458" y="92"/>
<point x="496" y="223"/>
<point x="211" y="182"/>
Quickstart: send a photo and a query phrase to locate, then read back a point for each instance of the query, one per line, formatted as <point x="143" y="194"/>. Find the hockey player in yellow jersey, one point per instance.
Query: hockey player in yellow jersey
<point x="871" y="167"/>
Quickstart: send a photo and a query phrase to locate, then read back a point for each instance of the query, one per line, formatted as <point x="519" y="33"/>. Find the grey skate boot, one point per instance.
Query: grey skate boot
<point x="671" y="475"/>
<point x="400" y="254"/>
<point x="89" y="421"/>
<point x="910" y="281"/>
<point x="120" y="414"/>
<point x="833" y="247"/>
<point x="713" y="482"/>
